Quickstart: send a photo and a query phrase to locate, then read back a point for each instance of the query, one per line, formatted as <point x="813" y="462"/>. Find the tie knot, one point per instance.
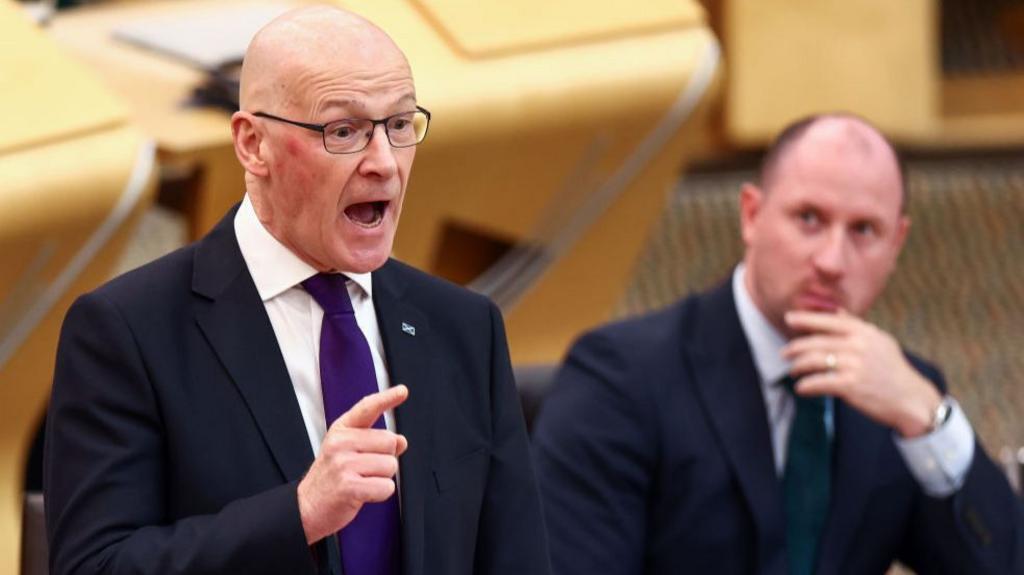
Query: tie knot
<point x="330" y="292"/>
<point x="787" y="382"/>
<point x="816" y="403"/>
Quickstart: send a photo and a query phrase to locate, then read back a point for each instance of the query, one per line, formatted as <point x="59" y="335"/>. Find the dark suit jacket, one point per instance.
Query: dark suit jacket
<point x="175" y="442"/>
<point x="654" y="455"/>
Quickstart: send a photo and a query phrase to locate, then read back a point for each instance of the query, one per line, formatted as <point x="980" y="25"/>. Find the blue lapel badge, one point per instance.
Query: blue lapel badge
<point x="411" y="330"/>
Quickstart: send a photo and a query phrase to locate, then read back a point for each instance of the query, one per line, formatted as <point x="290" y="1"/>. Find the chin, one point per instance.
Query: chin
<point x="362" y="263"/>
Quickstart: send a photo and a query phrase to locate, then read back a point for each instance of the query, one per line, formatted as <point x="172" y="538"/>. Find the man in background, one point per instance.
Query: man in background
<point x="281" y="397"/>
<point x="765" y="426"/>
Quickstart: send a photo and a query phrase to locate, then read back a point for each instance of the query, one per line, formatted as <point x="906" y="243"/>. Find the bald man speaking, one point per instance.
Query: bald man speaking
<point x="281" y="397"/>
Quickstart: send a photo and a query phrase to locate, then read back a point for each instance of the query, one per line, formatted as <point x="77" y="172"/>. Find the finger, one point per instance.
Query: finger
<point x="403" y="445"/>
<point x="819" y="322"/>
<point x="374" y="465"/>
<point x="373" y="489"/>
<point x="349" y="439"/>
<point x="812" y="344"/>
<point x="823" y="383"/>
<point x="370" y="408"/>
<point x="813" y="362"/>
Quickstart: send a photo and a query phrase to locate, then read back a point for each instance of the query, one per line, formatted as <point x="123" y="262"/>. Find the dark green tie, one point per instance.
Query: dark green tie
<point x="806" y="482"/>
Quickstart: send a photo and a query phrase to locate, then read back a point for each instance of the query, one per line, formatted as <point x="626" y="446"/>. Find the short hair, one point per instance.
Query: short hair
<point x="796" y="130"/>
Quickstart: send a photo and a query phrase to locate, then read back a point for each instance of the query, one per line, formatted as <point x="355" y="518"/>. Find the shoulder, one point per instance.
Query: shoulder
<point x="149" y="289"/>
<point x="649" y="335"/>
<point x="428" y="291"/>
<point x="406" y="276"/>
<point x="632" y="361"/>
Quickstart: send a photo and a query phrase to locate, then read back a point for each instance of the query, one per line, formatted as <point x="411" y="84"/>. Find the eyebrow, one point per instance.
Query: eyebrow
<point x="349" y="104"/>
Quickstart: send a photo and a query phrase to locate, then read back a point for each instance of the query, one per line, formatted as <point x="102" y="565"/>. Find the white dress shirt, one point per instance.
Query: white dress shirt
<point x="297" y="318"/>
<point x="938" y="460"/>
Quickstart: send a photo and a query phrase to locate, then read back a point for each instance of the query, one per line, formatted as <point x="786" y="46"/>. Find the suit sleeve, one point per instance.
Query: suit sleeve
<point x="105" y="468"/>
<point x="978" y="529"/>
<point x="595" y="446"/>
<point x="511" y="540"/>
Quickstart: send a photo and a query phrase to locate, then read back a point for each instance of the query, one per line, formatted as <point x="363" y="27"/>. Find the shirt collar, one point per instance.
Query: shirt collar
<point x="273" y="267"/>
<point x="765" y="341"/>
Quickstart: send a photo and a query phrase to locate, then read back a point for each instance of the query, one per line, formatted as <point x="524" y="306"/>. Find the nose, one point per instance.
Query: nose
<point x="379" y="157"/>
<point x="830" y="256"/>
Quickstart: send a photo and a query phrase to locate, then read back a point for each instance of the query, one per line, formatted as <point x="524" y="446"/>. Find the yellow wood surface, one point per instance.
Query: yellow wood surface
<point x="33" y="88"/>
<point x="789" y="58"/>
<point x="479" y="29"/>
<point x="157" y="89"/>
<point x="983" y="111"/>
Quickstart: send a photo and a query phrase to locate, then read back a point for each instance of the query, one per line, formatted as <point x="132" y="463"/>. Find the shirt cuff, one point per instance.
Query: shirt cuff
<point x="940" y="460"/>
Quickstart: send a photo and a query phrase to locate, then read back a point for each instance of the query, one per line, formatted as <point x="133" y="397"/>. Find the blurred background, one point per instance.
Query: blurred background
<point x="583" y="164"/>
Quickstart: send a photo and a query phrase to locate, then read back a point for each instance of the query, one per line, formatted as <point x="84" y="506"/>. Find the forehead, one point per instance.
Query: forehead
<point x="362" y="72"/>
<point x="374" y="93"/>
<point x="843" y="167"/>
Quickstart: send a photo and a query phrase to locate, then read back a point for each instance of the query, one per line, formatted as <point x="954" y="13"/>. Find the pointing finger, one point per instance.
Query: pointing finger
<point x="369" y="409"/>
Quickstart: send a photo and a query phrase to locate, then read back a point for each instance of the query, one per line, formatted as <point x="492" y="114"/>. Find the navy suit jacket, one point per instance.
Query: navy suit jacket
<point x="654" y="455"/>
<point x="175" y="442"/>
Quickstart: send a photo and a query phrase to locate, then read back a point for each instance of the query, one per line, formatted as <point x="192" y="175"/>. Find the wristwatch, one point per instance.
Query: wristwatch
<point x="941" y="415"/>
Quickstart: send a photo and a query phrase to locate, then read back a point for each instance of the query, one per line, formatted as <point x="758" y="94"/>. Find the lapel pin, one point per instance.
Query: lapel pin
<point x="411" y="330"/>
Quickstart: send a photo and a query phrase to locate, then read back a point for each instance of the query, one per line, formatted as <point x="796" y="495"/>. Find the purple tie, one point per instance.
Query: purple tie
<point x="369" y="544"/>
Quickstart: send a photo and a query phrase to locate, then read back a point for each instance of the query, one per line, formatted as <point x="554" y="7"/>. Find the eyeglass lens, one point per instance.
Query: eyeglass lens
<point x="353" y="134"/>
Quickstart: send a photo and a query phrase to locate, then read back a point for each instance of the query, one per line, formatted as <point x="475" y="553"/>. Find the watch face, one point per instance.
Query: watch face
<point x="942" y="413"/>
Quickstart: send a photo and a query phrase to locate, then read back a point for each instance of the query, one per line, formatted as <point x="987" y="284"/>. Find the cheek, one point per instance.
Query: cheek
<point x="293" y="148"/>
<point x="300" y="171"/>
<point x="876" y="274"/>
<point x="784" y="247"/>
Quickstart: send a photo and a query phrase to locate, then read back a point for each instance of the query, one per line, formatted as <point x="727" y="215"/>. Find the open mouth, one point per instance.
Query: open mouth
<point x="367" y="214"/>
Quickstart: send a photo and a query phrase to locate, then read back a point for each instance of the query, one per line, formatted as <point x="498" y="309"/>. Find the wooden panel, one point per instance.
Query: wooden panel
<point x="982" y="112"/>
<point x="480" y="29"/>
<point x="35" y="77"/>
<point x="789" y="58"/>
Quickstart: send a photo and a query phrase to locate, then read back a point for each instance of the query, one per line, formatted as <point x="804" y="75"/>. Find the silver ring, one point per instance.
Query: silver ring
<point x="831" y="362"/>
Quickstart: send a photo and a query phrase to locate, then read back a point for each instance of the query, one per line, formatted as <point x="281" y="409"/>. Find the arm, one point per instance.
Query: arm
<point x="966" y="517"/>
<point x="980" y="526"/>
<point x="105" y="472"/>
<point x="595" y="447"/>
<point x="511" y="538"/>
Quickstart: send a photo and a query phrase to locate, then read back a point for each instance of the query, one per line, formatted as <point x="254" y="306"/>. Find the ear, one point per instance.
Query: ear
<point x="751" y="200"/>
<point x="248" y="140"/>
<point x="902" y="230"/>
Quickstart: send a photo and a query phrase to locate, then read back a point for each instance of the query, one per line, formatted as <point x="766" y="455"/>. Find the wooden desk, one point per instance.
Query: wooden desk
<point x="156" y="90"/>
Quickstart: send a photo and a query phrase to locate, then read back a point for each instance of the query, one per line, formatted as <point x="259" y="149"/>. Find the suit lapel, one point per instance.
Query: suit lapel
<point x="236" y="326"/>
<point x="857" y="444"/>
<point x="407" y="346"/>
<point x="728" y="386"/>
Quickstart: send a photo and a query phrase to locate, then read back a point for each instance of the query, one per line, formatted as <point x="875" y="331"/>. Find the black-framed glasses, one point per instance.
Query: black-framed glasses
<point x="351" y="135"/>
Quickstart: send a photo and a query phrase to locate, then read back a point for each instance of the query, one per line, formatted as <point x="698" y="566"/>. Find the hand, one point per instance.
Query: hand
<point x="356" y="465"/>
<point x="869" y="371"/>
